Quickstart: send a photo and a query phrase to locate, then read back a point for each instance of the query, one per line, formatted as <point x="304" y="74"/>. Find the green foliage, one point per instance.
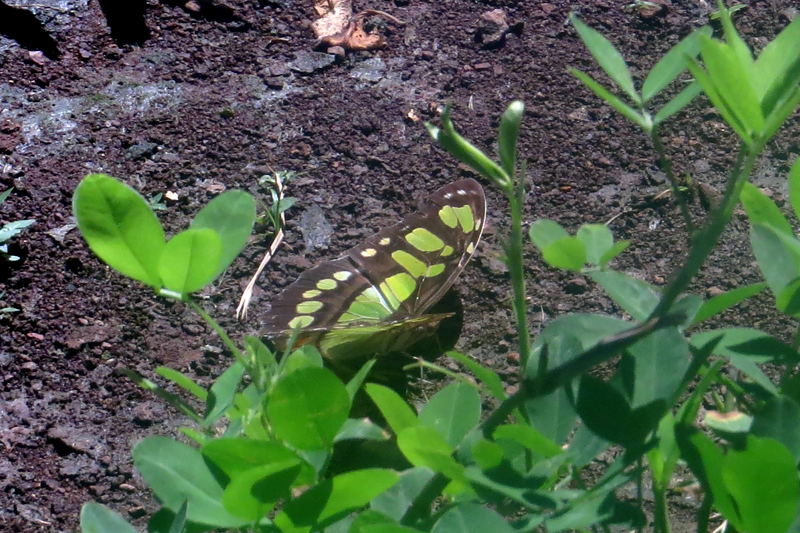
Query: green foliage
<point x="477" y="457"/>
<point x="8" y="232"/>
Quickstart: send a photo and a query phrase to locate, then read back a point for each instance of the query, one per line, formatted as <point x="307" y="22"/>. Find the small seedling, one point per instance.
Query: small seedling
<point x="10" y="230"/>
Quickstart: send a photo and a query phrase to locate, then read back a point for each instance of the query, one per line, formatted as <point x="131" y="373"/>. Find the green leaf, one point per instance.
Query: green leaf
<point x="394" y="409"/>
<point x="254" y="493"/>
<point x="395" y="502"/>
<point x="631" y="114"/>
<point x="528" y="437"/>
<point x="794" y="186"/>
<point x="172" y="399"/>
<point x="330" y="499"/>
<point x="355" y="383"/>
<point x="705" y="462"/>
<point x="710" y="88"/>
<point x="761" y="210"/>
<point x="183" y="381"/>
<point x="567" y="253"/>
<point x="222" y="393"/>
<point x="778" y="260"/>
<point x="726" y="300"/>
<point x="453" y="412"/>
<point x="613" y="252"/>
<point x="308" y="407"/>
<point x="119" y="227"/>
<point x="467" y="153"/>
<point x="779" y="419"/>
<point x="638" y="298"/>
<point x="607" y="413"/>
<point x="545" y="232"/>
<point x="763" y="481"/>
<point x="470" y="517"/>
<point x="788" y="301"/>
<point x="487" y="376"/>
<point x="237" y="455"/>
<point x="232" y="215"/>
<point x="176" y="472"/>
<point x="775" y="70"/>
<point x="782" y="110"/>
<point x="673" y="63"/>
<point x="189" y="260"/>
<point x="508" y="135"/>
<point x="361" y="429"/>
<point x="609" y="59"/>
<point x="728" y="425"/>
<point x="263" y="356"/>
<point x="598" y="241"/>
<point x="732" y="80"/>
<point x="660" y="361"/>
<point x="424" y="446"/>
<point x="681" y="100"/>
<point x="97" y="518"/>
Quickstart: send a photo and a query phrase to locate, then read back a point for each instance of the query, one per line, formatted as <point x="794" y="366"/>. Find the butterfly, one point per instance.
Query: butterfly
<point x="373" y="300"/>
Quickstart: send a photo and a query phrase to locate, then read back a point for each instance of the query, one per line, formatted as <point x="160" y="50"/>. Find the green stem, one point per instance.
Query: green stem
<point x="516" y="269"/>
<point x="703" y="514"/>
<point x="706" y="239"/>
<point x="666" y="165"/>
<point x="222" y="334"/>
<point x="660" y="516"/>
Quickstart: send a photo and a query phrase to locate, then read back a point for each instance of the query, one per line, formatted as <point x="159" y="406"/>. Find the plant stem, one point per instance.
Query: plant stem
<point x="666" y="165"/>
<point x="706" y="239"/>
<point x="660" y="517"/>
<point x="516" y="269"/>
<point x="222" y="334"/>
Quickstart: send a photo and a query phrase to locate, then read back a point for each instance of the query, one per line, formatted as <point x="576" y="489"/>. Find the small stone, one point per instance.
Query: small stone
<point x="35" y="336"/>
<point x="127" y="487"/>
<point x="482" y="66"/>
<point x="30" y="365"/>
<point x="337" y="51"/>
<point x="511" y="389"/>
<point x="512" y="358"/>
<point x="576" y="286"/>
<point x="714" y="291"/>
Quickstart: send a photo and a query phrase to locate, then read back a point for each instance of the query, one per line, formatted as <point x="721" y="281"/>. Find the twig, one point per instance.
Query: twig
<point x="244" y="302"/>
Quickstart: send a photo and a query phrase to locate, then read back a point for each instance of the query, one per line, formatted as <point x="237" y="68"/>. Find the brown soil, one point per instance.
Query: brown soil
<point x="173" y="100"/>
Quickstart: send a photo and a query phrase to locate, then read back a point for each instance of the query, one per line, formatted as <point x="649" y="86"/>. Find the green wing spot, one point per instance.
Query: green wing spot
<point x="386" y="241"/>
<point x="424" y="241"/>
<point x="306" y="308"/>
<point x="342" y="275"/>
<point x="448" y="216"/>
<point x="368" y="306"/>
<point x="470" y="248"/>
<point x="414" y="266"/>
<point x="434" y="270"/>
<point x="326" y="284"/>
<point x="465" y="217"/>
<point x="313" y="293"/>
<point x="369" y="252"/>
<point x="447" y="251"/>
<point x="478" y="224"/>
<point x="398" y="287"/>
<point x="301" y="321"/>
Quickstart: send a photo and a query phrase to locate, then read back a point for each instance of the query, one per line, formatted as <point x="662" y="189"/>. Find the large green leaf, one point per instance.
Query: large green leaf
<point x="777" y="66"/>
<point x="236" y="455"/>
<point x="726" y="300"/>
<point x="189" y="260"/>
<point x="119" y="227"/>
<point x="232" y="215"/>
<point x="176" y="473"/>
<point x="394" y="409"/>
<point x="97" y="518"/>
<point x="395" y="502"/>
<point x="778" y="260"/>
<point x="794" y="186"/>
<point x="779" y="419"/>
<point x="453" y="412"/>
<point x="254" y="493"/>
<point x="470" y="517"/>
<point x="598" y="240"/>
<point x="762" y="480"/>
<point x="424" y="446"/>
<point x="331" y="499"/>
<point x="761" y="210"/>
<point x="308" y="407"/>
<point x="660" y="362"/>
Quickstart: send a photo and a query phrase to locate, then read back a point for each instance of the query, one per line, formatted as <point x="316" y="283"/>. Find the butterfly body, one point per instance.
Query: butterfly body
<point x="374" y="299"/>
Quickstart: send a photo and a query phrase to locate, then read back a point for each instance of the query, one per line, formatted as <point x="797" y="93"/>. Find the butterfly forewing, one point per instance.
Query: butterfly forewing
<point x="394" y="276"/>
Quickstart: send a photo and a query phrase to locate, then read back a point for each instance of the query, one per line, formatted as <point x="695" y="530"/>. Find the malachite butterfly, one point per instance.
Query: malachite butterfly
<point x="374" y="299"/>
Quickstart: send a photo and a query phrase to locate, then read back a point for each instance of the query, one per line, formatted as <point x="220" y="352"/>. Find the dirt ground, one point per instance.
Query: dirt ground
<point x="195" y="99"/>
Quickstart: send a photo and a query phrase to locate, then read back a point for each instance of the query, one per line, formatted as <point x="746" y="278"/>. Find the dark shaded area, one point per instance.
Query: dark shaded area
<point x="126" y="20"/>
<point x="22" y="26"/>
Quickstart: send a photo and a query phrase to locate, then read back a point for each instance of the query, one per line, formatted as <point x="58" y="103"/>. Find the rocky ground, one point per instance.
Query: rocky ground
<point x="195" y="98"/>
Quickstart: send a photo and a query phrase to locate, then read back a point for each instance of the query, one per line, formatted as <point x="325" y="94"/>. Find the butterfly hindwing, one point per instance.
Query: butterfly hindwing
<point x="384" y="286"/>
